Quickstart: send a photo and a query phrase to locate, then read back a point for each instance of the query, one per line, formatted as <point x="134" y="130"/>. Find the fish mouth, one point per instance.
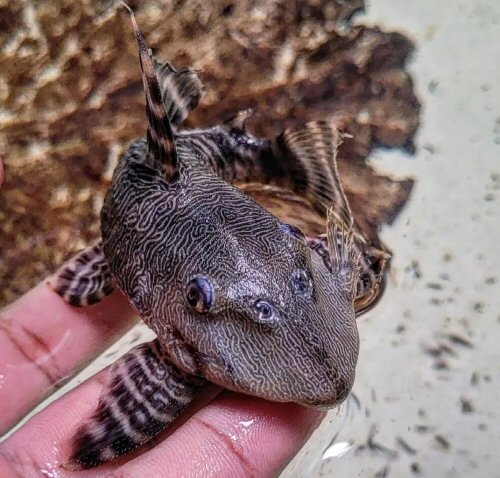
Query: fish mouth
<point x="224" y="375"/>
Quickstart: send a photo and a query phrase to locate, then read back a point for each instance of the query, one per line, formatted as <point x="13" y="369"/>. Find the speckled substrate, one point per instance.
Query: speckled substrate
<point x="71" y="101"/>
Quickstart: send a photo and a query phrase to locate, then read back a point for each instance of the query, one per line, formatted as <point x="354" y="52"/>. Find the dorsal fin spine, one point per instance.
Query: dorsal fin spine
<point x="161" y="147"/>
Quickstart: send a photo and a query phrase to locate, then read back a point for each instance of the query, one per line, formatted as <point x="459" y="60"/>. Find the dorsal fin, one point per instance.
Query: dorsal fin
<point x="181" y="90"/>
<point x="162" y="154"/>
<point x="313" y="150"/>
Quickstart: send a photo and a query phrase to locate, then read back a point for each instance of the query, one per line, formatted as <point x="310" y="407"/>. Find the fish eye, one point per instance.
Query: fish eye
<point x="293" y="231"/>
<point x="200" y="294"/>
<point x="302" y="284"/>
<point x="264" y="308"/>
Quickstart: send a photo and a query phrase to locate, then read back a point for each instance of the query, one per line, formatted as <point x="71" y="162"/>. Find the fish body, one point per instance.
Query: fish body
<point x="157" y="237"/>
<point x="235" y="295"/>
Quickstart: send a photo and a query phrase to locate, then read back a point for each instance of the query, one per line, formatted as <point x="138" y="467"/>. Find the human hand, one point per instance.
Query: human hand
<point x="43" y="340"/>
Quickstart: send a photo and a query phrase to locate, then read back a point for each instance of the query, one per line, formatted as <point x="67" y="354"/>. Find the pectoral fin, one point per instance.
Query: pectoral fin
<point x="145" y="393"/>
<point x="85" y="279"/>
<point x="310" y="155"/>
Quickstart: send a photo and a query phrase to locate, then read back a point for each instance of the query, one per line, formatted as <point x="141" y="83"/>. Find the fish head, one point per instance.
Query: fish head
<point x="262" y="313"/>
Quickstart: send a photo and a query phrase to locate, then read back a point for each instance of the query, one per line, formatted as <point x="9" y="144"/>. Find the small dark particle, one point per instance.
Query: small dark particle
<point x="447" y="257"/>
<point x="489" y="197"/>
<point x="490" y="280"/>
<point x="459" y="340"/>
<point x="487" y="377"/>
<point x="414" y="267"/>
<point x="405" y="446"/>
<point x="136" y="336"/>
<point x="430" y="148"/>
<point x="360" y="449"/>
<point x="423" y="428"/>
<point x="441" y="365"/>
<point x="466" y="405"/>
<point x="415" y="468"/>
<point x="435" y="301"/>
<point x="442" y="442"/>
<point x="432" y="86"/>
<point x="374" y="395"/>
<point x="474" y="379"/>
<point x="422" y="413"/>
<point x="479" y="307"/>
<point x="434" y="285"/>
<point x="482" y="427"/>
<point x="444" y="276"/>
<point x="440" y="350"/>
<point x="400" y="329"/>
<point x="378" y="447"/>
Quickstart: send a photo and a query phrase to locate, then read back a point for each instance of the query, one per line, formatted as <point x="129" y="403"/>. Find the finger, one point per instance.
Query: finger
<point x="44" y="340"/>
<point x="233" y="436"/>
<point x="42" y="445"/>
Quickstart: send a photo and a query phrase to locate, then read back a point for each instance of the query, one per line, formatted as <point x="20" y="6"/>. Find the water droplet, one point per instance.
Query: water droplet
<point x="247" y="424"/>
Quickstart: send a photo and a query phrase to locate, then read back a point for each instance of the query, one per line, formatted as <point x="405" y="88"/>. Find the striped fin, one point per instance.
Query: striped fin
<point x="162" y="153"/>
<point x="344" y="256"/>
<point x="181" y="91"/>
<point x="85" y="279"/>
<point x="372" y="272"/>
<point x="144" y="395"/>
<point x="311" y="154"/>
